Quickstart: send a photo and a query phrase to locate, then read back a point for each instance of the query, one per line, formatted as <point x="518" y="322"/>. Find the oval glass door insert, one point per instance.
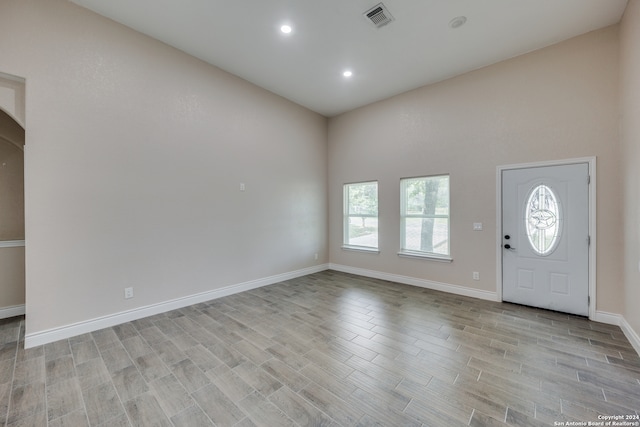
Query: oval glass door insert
<point x="542" y="220"/>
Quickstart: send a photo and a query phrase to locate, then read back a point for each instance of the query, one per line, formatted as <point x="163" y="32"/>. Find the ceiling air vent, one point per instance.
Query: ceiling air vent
<point x="379" y="15"/>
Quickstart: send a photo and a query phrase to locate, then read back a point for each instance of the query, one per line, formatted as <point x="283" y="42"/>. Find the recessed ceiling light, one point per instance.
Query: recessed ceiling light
<point x="457" y="22"/>
<point x="347" y="73"/>
<point x="286" y="29"/>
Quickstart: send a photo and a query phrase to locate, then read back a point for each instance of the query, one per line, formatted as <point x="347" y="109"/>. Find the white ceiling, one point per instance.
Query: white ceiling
<point x="330" y="36"/>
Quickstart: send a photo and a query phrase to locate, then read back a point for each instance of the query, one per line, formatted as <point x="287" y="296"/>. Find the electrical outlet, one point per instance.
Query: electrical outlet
<point x="316" y="256"/>
<point x="128" y="293"/>
<point x="476" y="275"/>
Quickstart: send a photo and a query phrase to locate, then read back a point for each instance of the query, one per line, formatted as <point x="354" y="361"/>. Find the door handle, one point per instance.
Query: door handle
<point x="508" y="246"/>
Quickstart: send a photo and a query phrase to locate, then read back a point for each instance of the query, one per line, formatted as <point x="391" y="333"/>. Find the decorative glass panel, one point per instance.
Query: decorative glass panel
<point x="542" y="220"/>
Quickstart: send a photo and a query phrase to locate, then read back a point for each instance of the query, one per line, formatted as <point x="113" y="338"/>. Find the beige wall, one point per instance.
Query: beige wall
<point x="630" y="137"/>
<point x="556" y="103"/>
<point x="134" y="157"/>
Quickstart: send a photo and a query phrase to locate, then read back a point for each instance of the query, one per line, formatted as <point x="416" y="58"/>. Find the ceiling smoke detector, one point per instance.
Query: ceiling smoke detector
<point x="379" y="15"/>
<point x="457" y="22"/>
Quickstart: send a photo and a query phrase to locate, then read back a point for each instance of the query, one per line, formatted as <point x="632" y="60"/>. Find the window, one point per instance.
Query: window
<point x="361" y="215"/>
<point x="542" y="220"/>
<point x="424" y="216"/>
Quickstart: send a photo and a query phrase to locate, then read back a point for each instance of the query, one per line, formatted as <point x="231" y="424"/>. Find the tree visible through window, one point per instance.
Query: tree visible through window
<point x="361" y="215"/>
<point x="424" y="215"/>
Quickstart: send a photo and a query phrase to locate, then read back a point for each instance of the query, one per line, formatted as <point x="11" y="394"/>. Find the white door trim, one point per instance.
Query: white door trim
<point x="592" y="222"/>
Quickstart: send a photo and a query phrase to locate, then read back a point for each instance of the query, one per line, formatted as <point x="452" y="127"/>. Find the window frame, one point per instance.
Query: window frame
<point x="346" y="216"/>
<point x="413" y="253"/>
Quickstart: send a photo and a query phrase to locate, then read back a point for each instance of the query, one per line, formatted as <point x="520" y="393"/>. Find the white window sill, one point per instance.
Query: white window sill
<point x="360" y="249"/>
<point x="422" y="255"/>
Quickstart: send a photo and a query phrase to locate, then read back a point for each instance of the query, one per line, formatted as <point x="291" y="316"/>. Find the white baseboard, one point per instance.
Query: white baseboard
<point x="68" y="331"/>
<point x="13" y="311"/>
<point x="422" y="283"/>
<point x="631" y="335"/>
<point x="608" y="318"/>
<point x="619" y="320"/>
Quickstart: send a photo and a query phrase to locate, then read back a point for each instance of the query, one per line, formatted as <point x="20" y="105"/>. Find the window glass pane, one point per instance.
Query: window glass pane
<point x="542" y="220"/>
<point x="361" y="214"/>
<point x="427" y="235"/>
<point x="425" y="215"/>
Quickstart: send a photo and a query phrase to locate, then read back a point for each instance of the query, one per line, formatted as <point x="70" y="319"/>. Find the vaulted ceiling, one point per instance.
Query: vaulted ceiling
<point x="422" y="45"/>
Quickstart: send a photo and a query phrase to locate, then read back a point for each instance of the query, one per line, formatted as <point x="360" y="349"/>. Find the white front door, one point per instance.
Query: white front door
<point x="545" y="237"/>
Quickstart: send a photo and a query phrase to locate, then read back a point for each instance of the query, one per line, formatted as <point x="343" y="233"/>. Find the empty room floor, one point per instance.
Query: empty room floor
<point x="328" y="349"/>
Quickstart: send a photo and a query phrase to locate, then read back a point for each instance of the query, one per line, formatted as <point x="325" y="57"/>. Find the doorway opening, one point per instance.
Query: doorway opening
<point x="12" y="206"/>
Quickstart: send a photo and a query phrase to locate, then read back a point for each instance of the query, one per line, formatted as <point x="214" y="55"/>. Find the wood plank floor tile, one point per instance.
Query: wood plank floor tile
<point x="497" y="393"/>
<point x="386" y="408"/>
<point x="73" y="419"/>
<point x="332" y="405"/>
<point x="328" y="349"/>
<point x="36" y="419"/>
<point x="145" y="410"/>
<point x="84" y="351"/>
<point x="191" y="377"/>
<point x="190" y="417"/>
<point x="168" y="352"/>
<point x="125" y="331"/>
<point x="202" y="357"/>
<point x="220" y="409"/>
<point x="31" y="370"/>
<point x="5" y="395"/>
<point x="480" y="420"/>
<point x="151" y="367"/>
<point x="26" y="401"/>
<point x="264" y="413"/>
<point x="59" y="369"/>
<point x="129" y="383"/>
<point x="460" y="396"/>
<point x="57" y="349"/>
<point x="299" y="409"/>
<point x="229" y="382"/>
<point x="430" y="407"/>
<point x="105" y="338"/>
<point x="338" y="386"/>
<point x="92" y="373"/>
<point x="115" y="357"/>
<point x="63" y="397"/>
<point x="102" y="403"/>
<point x="622" y="399"/>
<point x="171" y="395"/>
<point x="257" y="378"/>
<point x="286" y="375"/>
<point x="136" y="346"/>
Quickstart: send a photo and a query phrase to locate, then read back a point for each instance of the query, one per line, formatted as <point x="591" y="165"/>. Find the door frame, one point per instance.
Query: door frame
<point x="591" y="161"/>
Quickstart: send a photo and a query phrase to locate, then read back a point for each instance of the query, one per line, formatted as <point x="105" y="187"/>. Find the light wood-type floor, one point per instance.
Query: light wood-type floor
<point x="329" y="349"/>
